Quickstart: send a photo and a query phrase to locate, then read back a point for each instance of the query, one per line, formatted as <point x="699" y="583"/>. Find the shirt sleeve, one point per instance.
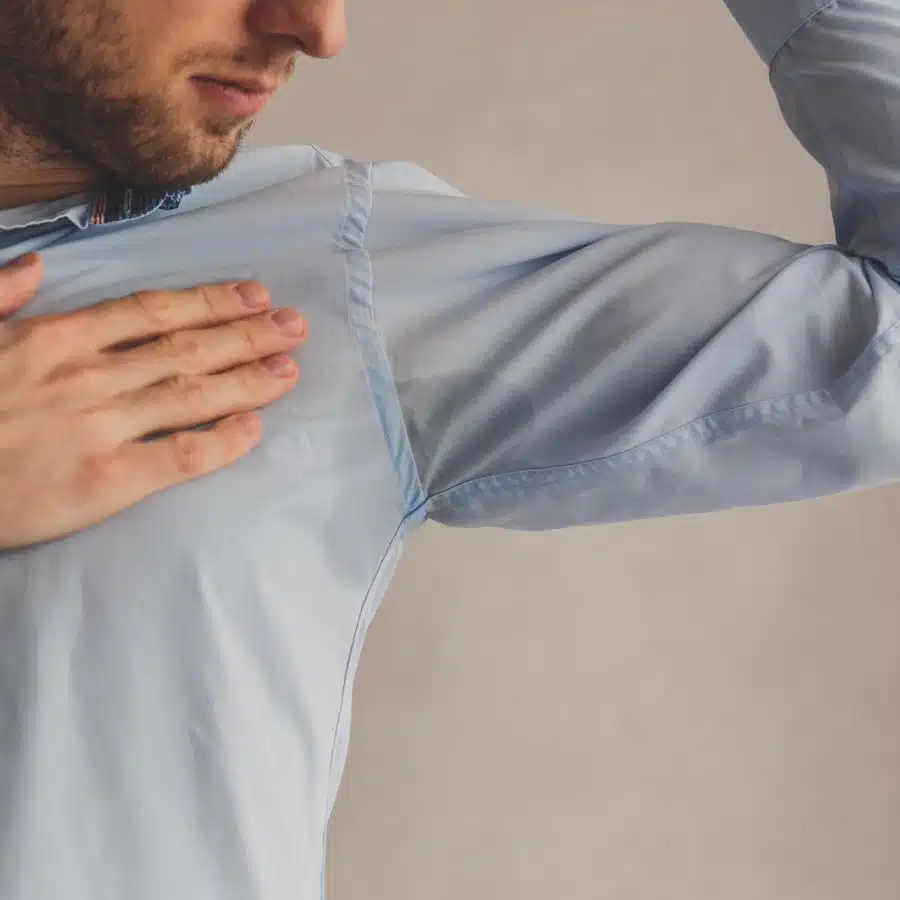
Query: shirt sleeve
<point x="548" y="372"/>
<point x="835" y="69"/>
<point x="770" y="24"/>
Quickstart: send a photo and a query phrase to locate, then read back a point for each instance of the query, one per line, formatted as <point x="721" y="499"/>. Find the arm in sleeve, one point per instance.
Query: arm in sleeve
<point x="835" y="69"/>
<point x="549" y="372"/>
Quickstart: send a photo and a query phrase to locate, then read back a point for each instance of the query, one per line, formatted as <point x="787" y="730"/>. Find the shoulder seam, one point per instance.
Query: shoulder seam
<point x="360" y="299"/>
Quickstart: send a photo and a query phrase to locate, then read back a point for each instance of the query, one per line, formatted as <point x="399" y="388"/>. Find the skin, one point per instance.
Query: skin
<point x="98" y="92"/>
<point x="88" y="97"/>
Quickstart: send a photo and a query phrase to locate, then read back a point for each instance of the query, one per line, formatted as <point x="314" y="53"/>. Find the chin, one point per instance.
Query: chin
<point x="195" y="162"/>
<point x="217" y="149"/>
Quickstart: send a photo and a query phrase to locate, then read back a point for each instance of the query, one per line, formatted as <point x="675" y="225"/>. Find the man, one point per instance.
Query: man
<point x="176" y="680"/>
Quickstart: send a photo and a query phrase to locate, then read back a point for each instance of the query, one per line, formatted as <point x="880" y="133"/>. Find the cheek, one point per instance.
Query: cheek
<point x="201" y="28"/>
<point x="170" y="40"/>
<point x="157" y="77"/>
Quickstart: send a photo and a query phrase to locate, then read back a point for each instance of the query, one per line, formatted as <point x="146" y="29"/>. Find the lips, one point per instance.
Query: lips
<point x="237" y="97"/>
<point x="249" y="85"/>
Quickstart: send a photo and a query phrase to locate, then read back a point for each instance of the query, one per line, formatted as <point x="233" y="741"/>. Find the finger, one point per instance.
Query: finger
<point x="19" y="282"/>
<point x="150" y="314"/>
<point x="137" y="470"/>
<point x="186" y="401"/>
<point x="205" y="351"/>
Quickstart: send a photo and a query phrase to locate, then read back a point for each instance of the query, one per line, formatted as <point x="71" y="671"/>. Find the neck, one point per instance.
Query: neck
<point x="30" y="173"/>
<point x="23" y="188"/>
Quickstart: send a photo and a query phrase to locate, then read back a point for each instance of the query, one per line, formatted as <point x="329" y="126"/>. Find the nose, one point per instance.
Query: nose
<point x="316" y="27"/>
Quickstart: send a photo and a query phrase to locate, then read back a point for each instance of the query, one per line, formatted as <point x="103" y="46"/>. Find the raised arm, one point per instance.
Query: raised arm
<point x="835" y="68"/>
<point x="549" y="373"/>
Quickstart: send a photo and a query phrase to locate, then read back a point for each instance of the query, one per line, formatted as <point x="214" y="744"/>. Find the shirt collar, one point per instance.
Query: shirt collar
<point x="116" y="204"/>
<point x="119" y="204"/>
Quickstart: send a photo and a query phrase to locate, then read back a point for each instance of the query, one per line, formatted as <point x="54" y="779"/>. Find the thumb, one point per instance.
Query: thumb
<point x="19" y="280"/>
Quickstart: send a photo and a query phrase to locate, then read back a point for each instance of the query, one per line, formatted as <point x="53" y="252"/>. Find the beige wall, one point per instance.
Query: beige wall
<point x="689" y="709"/>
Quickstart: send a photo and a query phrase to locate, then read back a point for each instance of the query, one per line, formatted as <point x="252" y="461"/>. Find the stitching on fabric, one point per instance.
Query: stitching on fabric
<point x="345" y="686"/>
<point x="709" y="428"/>
<point x="813" y="15"/>
<point x="323" y="157"/>
<point x="363" y="323"/>
<point x="356" y="218"/>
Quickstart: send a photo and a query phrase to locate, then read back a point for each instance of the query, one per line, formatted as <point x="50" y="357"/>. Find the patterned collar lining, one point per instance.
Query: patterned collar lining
<point x="119" y="204"/>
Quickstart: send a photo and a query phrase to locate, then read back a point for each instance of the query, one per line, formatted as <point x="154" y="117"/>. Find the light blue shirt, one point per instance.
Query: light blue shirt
<point x="175" y="683"/>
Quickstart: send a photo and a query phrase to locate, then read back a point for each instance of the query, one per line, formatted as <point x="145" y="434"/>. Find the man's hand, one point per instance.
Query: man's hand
<point x="79" y="393"/>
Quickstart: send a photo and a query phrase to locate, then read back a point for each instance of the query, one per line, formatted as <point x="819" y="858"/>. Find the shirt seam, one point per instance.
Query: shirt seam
<point x="359" y="633"/>
<point x="799" y="408"/>
<point x="828" y="4"/>
<point x="323" y="158"/>
<point x="350" y="237"/>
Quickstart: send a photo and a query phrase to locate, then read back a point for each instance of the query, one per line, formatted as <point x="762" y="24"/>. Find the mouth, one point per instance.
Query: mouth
<point x="241" y="97"/>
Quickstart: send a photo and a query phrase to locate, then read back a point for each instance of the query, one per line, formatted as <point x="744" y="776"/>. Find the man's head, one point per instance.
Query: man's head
<point x="128" y="89"/>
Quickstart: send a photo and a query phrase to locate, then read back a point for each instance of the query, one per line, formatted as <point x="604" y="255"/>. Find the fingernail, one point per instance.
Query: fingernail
<point x="282" y="366"/>
<point x="252" y="295"/>
<point x="290" y="322"/>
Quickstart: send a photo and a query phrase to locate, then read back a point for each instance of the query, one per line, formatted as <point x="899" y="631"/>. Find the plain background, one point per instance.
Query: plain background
<point x="676" y="710"/>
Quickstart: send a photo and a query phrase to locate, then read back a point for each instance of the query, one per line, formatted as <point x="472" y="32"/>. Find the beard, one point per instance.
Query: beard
<point x="67" y="94"/>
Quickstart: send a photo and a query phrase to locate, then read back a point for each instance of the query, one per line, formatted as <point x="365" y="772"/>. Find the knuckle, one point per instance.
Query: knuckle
<point x="187" y="387"/>
<point x="206" y="297"/>
<point x="250" y="339"/>
<point x="99" y="471"/>
<point x="154" y="306"/>
<point x="185" y="350"/>
<point x="167" y="345"/>
<point x="187" y="453"/>
<point x="254" y="380"/>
